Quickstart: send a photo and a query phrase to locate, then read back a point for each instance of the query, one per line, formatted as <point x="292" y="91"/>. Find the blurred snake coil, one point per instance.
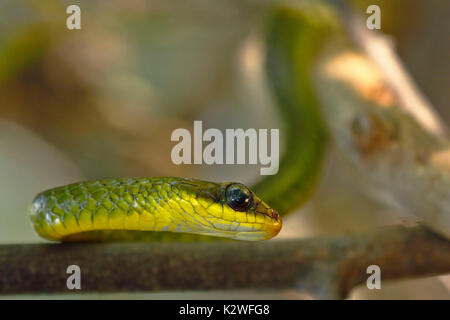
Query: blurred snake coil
<point x="193" y="210"/>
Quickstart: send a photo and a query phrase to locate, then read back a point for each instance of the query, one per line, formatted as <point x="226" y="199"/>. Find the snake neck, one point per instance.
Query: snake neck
<point x="292" y="45"/>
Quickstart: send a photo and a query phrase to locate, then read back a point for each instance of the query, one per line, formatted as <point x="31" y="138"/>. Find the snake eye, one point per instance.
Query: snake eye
<point x="238" y="197"/>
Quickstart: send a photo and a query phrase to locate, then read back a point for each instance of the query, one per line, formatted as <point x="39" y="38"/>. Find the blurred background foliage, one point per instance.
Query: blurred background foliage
<point x="103" y="101"/>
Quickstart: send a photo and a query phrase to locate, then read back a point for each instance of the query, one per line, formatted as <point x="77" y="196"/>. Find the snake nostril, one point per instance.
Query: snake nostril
<point x="274" y="214"/>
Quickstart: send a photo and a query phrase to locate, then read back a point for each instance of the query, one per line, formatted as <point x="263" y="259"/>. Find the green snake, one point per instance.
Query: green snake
<point x="133" y="209"/>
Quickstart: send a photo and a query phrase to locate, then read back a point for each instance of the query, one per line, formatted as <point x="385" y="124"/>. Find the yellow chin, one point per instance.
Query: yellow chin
<point x="266" y="232"/>
<point x="243" y="231"/>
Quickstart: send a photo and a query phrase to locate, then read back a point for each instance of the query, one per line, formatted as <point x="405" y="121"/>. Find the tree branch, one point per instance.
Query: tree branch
<point x="327" y="267"/>
<point x="396" y="158"/>
<point x="379" y="48"/>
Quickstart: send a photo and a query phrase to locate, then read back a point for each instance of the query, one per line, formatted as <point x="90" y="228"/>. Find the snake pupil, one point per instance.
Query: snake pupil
<point x="238" y="197"/>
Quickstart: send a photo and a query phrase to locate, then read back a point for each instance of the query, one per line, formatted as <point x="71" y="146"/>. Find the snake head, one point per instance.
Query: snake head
<point x="236" y="212"/>
<point x="247" y="206"/>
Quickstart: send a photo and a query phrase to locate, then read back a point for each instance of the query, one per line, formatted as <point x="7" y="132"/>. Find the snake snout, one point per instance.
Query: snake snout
<point x="275" y="227"/>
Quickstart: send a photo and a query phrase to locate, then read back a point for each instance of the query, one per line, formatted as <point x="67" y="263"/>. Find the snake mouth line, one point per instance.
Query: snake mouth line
<point x="271" y="214"/>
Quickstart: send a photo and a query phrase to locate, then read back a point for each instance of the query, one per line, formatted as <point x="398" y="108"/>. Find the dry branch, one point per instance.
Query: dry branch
<point x="396" y="158"/>
<point x="326" y="267"/>
<point x="380" y="50"/>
